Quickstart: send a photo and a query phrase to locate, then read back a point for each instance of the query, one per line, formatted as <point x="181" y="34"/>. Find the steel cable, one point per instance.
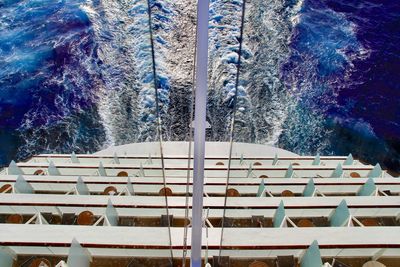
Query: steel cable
<point x="185" y="234"/>
<point x="159" y="128"/>
<point x="232" y="127"/>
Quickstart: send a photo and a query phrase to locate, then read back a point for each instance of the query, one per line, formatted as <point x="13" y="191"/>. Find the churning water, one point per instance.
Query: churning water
<point x="317" y="75"/>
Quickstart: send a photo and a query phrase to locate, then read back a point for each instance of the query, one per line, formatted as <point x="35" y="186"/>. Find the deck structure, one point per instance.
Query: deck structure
<point x="108" y="209"/>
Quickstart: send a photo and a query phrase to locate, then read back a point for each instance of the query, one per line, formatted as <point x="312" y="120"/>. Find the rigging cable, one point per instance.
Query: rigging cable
<point x="159" y="129"/>
<point x="186" y="226"/>
<point x="232" y="127"/>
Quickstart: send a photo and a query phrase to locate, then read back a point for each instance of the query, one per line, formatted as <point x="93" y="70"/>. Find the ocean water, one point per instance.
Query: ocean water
<point x="318" y="76"/>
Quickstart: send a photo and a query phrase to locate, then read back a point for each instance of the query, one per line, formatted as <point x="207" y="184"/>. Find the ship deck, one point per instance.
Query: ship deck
<point x="49" y="192"/>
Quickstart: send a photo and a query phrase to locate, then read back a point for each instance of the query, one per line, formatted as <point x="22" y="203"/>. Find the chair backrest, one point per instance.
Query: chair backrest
<point x="111" y="214"/>
<point x="367" y="189"/>
<point x="289" y="172"/>
<point x="52" y="169"/>
<point x="280" y="215"/>
<point x="102" y="171"/>
<point x="317" y="160"/>
<point x="129" y="187"/>
<point x="74" y="158"/>
<point x="81" y="187"/>
<point x="341" y="215"/>
<point x="309" y="190"/>
<point x="13" y="169"/>
<point x="349" y="160"/>
<point x="312" y="257"/>
<point x="376" y="172"/>
<point x="337" y="173"/>
<point x="22" y="186"/>
<point x="261" y="188"/>
<point x="6" y="258"/>
<point x="77" y="255"/>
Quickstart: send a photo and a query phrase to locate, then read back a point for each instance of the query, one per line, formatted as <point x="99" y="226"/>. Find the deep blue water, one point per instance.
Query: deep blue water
<point x="47" y="91"/>
<point x="72" y="77"/>
<point x="354" y="77"/>
<point x="368" y="113"/>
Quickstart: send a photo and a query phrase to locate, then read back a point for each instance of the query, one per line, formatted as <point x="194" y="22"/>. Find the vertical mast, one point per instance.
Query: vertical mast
<point x="199" y="130"/>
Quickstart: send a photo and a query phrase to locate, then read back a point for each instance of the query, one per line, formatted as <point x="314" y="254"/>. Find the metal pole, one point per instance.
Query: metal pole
<point x="199" y="130"/>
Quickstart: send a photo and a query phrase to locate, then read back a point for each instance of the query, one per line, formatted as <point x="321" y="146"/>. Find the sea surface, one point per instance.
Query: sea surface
<point x="318" y="76"/>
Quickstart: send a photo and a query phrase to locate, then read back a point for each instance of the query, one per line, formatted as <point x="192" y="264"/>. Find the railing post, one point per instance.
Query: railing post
<point x="199" y="130"/>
